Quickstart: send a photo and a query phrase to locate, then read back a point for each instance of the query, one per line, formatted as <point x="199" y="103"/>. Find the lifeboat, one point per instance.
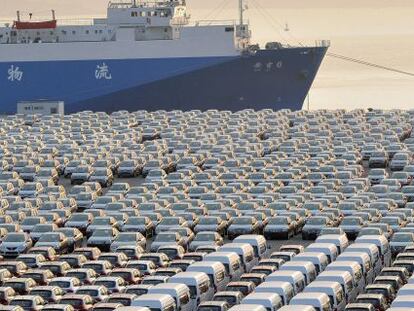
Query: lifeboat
<point x="35" y="25"/>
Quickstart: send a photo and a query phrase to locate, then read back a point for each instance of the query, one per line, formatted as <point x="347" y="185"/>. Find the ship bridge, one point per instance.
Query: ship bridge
<point x="148" y="13"/>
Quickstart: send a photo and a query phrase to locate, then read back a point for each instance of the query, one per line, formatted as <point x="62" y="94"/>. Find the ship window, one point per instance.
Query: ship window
<point x="87" y="31"/>
<point x="229" y="29"/>
<point x="96" y="31"/>
<point x="100" y="31"/>
<point x="142" y="14"/>
<point x="73" y="32"/>
<point x="51" y="33"/>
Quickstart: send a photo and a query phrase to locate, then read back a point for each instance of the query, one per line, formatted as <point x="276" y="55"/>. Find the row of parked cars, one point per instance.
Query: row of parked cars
<point x="208" y="176"/>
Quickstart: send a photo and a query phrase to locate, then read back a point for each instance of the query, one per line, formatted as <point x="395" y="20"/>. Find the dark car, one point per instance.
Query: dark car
<point x="86" y="275"/>
<point x="377" y="300"/>
<point x="51" y="294"/>
<point x="122" y="298"/>
<point x="74" y="260"/>
<point x="130" y="275"/>
<point x="21" y="286"/>
<point x="41" y="276"/>
<point x="385" y="289"/>
<point x="244" y="287"/>
<point x="91" y="253"/>
<point x="78" y="302"/>
<point x="6" y="294"/>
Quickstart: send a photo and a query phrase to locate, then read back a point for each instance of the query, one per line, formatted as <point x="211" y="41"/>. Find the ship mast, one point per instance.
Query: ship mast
<point x="241" y="11"/>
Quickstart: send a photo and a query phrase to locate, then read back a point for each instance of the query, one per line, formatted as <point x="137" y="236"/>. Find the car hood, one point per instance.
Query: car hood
<point x="12" y="244"/>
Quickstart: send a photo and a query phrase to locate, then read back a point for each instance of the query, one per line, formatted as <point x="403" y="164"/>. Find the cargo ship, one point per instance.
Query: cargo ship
<point x="150" y="55"/>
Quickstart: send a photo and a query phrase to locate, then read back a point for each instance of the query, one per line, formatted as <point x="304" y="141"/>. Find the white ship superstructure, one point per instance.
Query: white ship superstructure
<point x="139" y="43"/>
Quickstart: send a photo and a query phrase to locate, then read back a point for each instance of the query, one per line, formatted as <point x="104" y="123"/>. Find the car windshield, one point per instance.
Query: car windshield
<point x="278" y="221"/>
<point x="136" y="221"/>
<point x="124" y="275"/>
<point x="119" y="187"/>
<point x="391" y="221"/>
<point x="317" y="221"/>
<point x="43" y="228"/>
<point x="122" y="301"/>
<point x="76" y="303"/>
<point x="90" y="292"/>
<point x="31" y="221"/>
<point x="84" y="196"/>
<point x="102" y="232"/>
<point x="102" y="222"/>
<point x="14" y="237"/>
<point x="350" y="221"/>
<point x="44" y="173"/>
<point x="126" y="237"/>
<point x="70" y="233"/>
<point x="402" y="238"/>
<point x="166" y="237"/>
<point x="230" y="299"/>
<point x="140" y="267"/>
<point x="137" y="291"/>
<point x="208" y="221"/>
<point x="242" y="221"/>
<point x="79" y="217"/>
<point x="170" y="221"/>
<point x="29" y="187"/>
<point x="205" y="237"/>
<point x="107" y="284"/>
<point x="373" y="301"/>
<point x="235" y="288"/>
<point x="370" y="231"/>
<point x="79" y="275"/>
<point x="42" y="293"/>
<point x="24" y="303"/>
<point x="50" y="237"/>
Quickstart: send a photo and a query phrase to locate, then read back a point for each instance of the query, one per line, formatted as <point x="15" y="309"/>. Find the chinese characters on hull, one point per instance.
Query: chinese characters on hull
<point x="14" y="74"/>
<point x="102" y="72"/>
<point x="267" y="67"/>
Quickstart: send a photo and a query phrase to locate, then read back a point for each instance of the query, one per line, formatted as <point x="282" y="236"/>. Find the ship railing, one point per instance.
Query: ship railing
<point x="227" y="22"/>
<point x="142" y="4"/>
<point x="61" y="22"/>
<point x="76" y="22"/>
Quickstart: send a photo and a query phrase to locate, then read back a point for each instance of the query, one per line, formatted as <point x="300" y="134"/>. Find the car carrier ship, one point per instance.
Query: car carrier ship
<point x="147" y="55"/>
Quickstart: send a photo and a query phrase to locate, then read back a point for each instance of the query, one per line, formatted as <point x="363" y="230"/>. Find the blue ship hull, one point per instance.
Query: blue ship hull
<point x="273" y="79"/>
